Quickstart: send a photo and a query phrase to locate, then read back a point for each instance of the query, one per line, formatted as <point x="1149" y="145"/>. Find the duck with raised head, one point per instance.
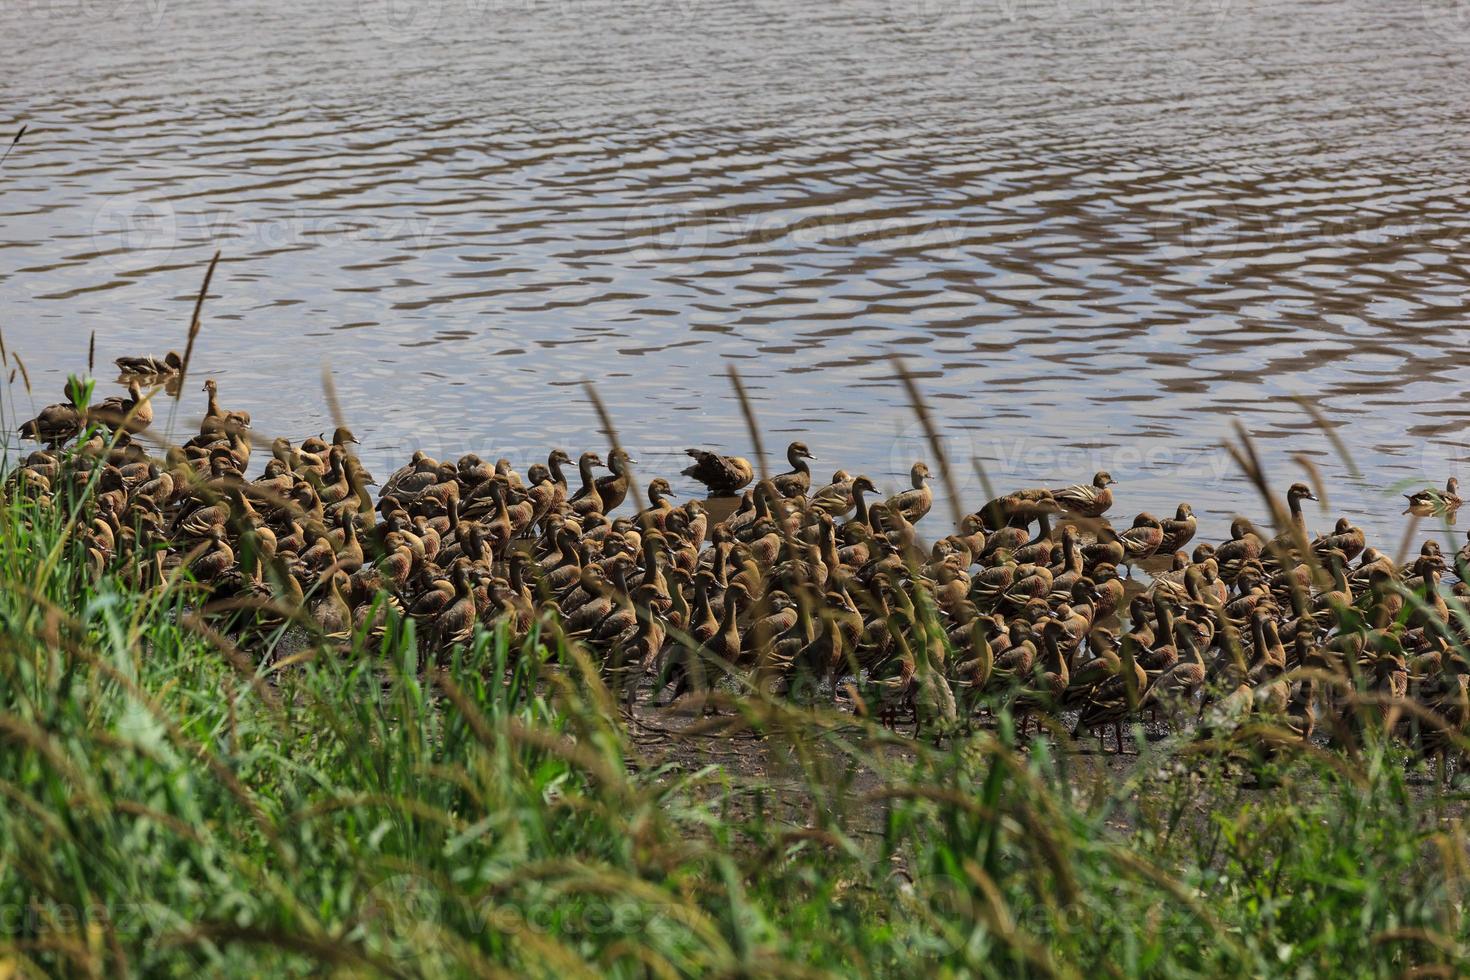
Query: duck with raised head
<point x="914" y="503"/>
<point x="588" y="499"/>
<point x="798" y="480"/>
<point x="455" y="622"/>
<point x="723" y="476"/>
<point x="1295" y="535"/>
<point x="612" y="490"/>
<point x="217" y="421"/>
<point x="658" y="510"/>
<point x="1088" y="501"/>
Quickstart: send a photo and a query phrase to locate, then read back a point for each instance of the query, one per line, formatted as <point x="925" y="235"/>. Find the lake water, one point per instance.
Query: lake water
<point x="1100" y="233"/>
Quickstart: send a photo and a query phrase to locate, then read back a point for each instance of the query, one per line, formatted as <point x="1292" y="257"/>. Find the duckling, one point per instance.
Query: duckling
<point x="1088" y="501"/>
<point x="724" y="476"/>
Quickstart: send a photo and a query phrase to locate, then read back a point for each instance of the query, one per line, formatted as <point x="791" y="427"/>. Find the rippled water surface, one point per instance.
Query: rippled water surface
<point x="1100" y="233"/>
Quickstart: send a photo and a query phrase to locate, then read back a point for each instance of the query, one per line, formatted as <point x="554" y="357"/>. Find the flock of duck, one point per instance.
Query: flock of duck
<point x="805" y="590"/>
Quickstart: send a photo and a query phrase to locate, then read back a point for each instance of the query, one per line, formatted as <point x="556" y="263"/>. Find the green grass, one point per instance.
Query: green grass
<point x="170" y="808"/>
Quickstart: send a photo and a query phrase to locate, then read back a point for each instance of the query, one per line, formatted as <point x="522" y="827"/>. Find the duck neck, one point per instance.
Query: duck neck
<point x="861" y="503"/>
<point x="589" y="482"/>
<point x="722" y="563"/>
<point x="553" y="465"/>
<point x="701" y="602"/>
<point x="830" y="558"/>
<point x="1191" y="651"/>
<point x="1166" y="622"/>
<point x="1258" y="633"/>
<point x="731" y="610"/>
<point x="1056" y="663"/>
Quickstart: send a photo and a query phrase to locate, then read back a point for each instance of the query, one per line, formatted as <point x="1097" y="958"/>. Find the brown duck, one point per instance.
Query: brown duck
<point x="724" y="476"/>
